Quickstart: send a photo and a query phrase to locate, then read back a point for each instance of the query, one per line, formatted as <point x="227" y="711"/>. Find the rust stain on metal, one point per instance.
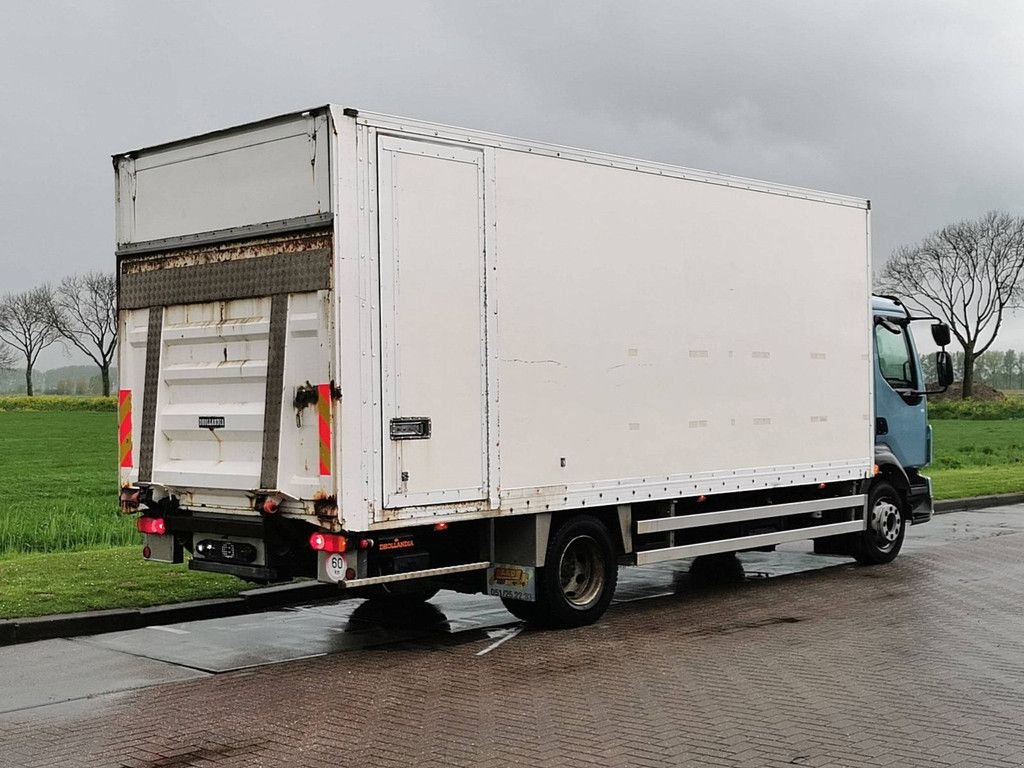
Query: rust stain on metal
<point x="295" y="242"/>
<point x="324" y="506"/>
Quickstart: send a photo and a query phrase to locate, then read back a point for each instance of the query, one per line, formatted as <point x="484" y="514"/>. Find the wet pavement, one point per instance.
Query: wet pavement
<point x="783" y="658"/>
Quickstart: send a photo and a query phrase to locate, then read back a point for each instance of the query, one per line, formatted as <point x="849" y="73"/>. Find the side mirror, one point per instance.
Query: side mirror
<point x="944" y="365"/>
<point x="940" y="333"/>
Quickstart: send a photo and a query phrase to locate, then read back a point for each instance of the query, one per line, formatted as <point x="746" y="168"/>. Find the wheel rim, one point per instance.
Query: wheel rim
<point x="886" y="523"/>
<point x="581" y="572"/>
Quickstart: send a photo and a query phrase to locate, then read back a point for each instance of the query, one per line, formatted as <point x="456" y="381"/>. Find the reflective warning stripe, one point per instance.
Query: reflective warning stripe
<point x="324" y="410"/>
<point x="124" y="426"/>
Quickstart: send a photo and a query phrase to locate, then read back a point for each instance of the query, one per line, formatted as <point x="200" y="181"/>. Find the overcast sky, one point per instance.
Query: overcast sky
<point x="918" y="106"/>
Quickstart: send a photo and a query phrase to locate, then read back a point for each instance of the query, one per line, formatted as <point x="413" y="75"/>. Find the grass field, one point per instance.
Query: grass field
<point x="64" y="547"/>
<point x="58" y="482"/>
<point x="63" y="544"/>
<point x="116" y="577"/>
<point x="975" y="458"/>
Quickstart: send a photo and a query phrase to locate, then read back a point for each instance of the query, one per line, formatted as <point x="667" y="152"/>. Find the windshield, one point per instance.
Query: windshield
<point x="894" y="357"/>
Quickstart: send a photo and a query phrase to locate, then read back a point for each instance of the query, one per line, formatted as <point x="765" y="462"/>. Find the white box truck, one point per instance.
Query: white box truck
<point x="395" y="355"/>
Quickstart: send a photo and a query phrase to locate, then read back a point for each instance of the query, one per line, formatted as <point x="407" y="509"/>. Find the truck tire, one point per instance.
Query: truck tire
<point x="578" y="580"/>
<point x="887" y="526"/>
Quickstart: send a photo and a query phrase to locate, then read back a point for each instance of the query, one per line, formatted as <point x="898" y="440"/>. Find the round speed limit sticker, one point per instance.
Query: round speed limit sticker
<point x="335" y="567"/>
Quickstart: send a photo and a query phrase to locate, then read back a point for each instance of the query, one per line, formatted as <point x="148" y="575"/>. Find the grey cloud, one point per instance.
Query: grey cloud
<point x="916" y="105"/>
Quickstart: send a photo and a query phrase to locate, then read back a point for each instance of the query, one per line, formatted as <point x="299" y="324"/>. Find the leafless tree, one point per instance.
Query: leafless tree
<point x="6" y="358"/>
<point x="968" y="274"/>
<point x="83" y="310"/>
<point x="25" y="325"/>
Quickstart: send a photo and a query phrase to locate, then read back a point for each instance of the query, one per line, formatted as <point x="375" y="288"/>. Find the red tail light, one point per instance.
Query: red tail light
<point x="154" y="525"/>
<point x="327" y="542"/>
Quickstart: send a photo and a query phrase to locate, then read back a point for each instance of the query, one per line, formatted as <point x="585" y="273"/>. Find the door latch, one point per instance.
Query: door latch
<point x="410" y="428"/>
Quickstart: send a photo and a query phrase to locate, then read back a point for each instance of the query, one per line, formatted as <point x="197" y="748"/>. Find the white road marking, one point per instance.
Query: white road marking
<point x="172" y="630"/>
<point x="503" y="635"/>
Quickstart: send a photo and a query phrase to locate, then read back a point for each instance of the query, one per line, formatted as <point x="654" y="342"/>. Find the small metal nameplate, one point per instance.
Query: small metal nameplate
<point x="211" y="422"/>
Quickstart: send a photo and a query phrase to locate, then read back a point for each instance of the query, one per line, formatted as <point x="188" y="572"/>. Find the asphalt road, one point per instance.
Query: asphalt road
<point x="774" y="659"/>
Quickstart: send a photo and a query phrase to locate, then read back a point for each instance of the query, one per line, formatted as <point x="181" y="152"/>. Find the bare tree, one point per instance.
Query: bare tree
<point x="25" y="325"/>
<point x="6" y="358"/>
<point x="83" y="310"/>
<point x="968" y="274"/>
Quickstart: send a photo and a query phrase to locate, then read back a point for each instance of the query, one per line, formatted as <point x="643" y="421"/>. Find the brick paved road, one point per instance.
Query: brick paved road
<point x="919" y="663"/>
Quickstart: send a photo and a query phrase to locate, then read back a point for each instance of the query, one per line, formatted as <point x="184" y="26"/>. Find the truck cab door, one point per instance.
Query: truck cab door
<point x="901" y="415"/>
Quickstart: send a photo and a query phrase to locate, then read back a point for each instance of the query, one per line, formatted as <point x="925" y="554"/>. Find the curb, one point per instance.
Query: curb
<point x="13" y="631"/>
<point x="977" y="502"/>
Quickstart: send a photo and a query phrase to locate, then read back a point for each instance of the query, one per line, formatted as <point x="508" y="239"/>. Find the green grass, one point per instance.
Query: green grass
<point x="62" y="403"/>
<point x="976" y="458"/>
<point x="65" y="582"/>
<point x="58" y="482"/>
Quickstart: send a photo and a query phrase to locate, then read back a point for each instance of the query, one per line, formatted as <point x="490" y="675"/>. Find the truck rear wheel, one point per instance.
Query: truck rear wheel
<point x="578" y="580"/>
<point x="887" y="526"/>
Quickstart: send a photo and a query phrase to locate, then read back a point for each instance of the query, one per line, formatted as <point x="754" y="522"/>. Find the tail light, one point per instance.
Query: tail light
<point x="153" y="525"/>
<point x="328" y="542"/>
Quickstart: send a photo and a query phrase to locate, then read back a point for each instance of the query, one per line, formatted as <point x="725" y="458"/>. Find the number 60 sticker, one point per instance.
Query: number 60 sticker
<point x="335" y="567"/>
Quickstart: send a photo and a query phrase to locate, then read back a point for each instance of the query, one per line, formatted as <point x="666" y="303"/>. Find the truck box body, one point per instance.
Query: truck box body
<point x="380" y="323"/>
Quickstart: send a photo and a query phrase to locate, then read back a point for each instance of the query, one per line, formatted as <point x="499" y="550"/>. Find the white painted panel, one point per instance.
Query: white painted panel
<point x="132" y="375"/>
<point x="432" y="320"/>
<point x="651" y="328"/>
<point x="248" y="176"/>
<point x="307" y="359"/>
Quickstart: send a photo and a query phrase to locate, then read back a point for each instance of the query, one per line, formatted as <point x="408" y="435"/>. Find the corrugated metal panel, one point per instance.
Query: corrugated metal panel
<point x="213" y="365"/>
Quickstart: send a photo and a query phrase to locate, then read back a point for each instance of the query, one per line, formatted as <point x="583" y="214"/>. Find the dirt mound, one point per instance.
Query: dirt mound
<point x="980" y="392"/>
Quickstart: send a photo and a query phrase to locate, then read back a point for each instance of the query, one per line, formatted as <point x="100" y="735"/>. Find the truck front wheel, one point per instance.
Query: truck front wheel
<point x="578" y="580"/>
<point x="887" y="526"/>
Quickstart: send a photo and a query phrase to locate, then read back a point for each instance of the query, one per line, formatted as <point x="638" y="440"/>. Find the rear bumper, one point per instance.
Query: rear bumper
<point x="329" y="576"/>
<point x="278" y="548"/>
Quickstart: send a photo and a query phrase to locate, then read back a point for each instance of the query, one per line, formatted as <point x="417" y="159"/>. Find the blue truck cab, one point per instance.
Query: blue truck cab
<point x="898" y="494"/>
<point x="903" y="437"/>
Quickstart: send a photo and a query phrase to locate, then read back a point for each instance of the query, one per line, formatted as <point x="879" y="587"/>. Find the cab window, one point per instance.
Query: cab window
<point x="894" y="358"/>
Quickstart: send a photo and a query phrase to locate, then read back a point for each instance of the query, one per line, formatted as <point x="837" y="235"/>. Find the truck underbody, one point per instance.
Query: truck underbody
<point x="513" y="557"/>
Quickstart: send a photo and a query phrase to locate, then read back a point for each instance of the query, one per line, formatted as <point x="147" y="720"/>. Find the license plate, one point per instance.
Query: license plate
<point x="516" y="582"/>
